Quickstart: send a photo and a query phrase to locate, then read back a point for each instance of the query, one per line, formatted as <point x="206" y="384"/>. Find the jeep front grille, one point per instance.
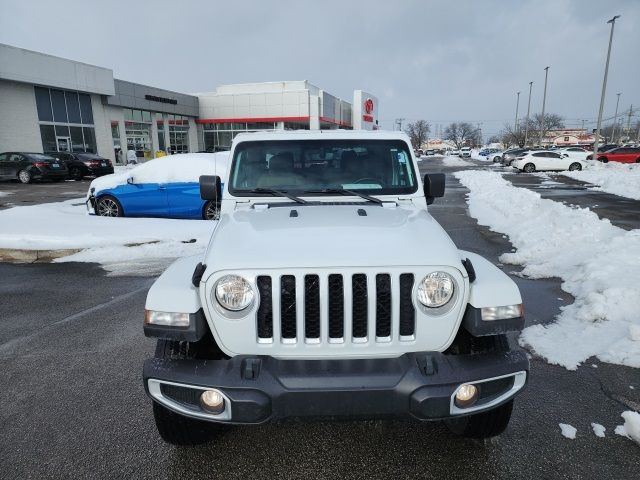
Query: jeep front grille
<point x="335" y="308"/>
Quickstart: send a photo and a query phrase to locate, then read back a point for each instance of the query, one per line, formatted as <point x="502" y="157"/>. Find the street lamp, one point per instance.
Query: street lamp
<point x="526" y="123"/>
<point x="604" y="88"/>
<point x="515" y="125"/>
<point x="544" y="99"/>
<point x="615" y="120"/>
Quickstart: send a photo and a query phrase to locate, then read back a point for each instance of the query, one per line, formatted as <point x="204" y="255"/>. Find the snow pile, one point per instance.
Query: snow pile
<point x="66" y="225"/>
<point x="451" y="161"/>
<point x="631" y="427"/>
<point x="597" y="262"/>
<point x="598" y="430"/>
<point x="568" y="431"/>
<point x="184" y="167"/>
<point x="616" y="178"/>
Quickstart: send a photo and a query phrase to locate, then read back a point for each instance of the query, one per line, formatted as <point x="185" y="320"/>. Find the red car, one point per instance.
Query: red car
<point x="621" y="154"/>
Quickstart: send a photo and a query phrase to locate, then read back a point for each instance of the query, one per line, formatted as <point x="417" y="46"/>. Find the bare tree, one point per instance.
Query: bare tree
<point x="418" y="132"/>
<point x="510" y="136"/>
<point x="493" y="139"/>
<point x="461" y="134"/>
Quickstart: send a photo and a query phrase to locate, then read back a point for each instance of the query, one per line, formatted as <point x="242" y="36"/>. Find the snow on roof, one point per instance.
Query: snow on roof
<point x="184" y="167"/>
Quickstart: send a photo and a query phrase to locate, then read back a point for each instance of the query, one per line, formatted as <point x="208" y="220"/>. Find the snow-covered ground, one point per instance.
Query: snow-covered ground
<point x="597" y="262"/>
<point x="616" y="178"/>
<point x="631" y="427"/>
<point x="452" y="161"/>
<point x="122" y="245"/>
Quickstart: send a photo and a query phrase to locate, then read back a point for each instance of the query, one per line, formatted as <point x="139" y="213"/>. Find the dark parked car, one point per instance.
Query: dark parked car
<point x="82" y="164"/>
<point x="510" y="155"/>
<point x="27" y="167"/>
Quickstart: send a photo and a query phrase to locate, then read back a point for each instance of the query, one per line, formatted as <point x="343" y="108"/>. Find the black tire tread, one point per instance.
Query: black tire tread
<point x="174" y="428"/>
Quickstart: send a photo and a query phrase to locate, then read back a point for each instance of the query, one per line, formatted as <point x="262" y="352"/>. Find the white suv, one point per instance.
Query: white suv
<point x="327" y="290"/>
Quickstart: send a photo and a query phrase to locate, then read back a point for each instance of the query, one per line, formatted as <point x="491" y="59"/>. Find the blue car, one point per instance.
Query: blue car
<point x="164" y="187"/>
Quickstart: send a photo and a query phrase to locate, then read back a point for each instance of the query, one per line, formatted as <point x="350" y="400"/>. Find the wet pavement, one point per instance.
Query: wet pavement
<point x="73" y="405"/>
<point x="16" y="194"/>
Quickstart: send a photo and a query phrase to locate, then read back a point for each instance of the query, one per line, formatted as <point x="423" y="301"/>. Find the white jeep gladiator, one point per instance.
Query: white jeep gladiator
<point x="328" y="291"/>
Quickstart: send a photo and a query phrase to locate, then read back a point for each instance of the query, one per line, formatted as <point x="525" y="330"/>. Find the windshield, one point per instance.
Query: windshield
<point x="379" y="167"/>
<point x="41" y="157"/>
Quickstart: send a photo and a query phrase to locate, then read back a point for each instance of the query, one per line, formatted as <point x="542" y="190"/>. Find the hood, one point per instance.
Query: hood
<point x="329" y="236"/>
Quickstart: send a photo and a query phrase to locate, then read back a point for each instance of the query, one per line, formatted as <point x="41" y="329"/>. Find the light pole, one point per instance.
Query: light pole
<point x="615" y="120"/>
<point x="544" y="99"/>
<point x="515" y="125"/>
<point x="604" y="89"/>
<point x="526" y="122"/>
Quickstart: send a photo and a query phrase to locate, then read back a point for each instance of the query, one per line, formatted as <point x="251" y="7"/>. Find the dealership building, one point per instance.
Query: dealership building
<point x="53" y="104"/>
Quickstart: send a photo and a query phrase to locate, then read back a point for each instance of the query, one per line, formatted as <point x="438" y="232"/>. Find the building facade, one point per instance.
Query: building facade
<point x="54" y="104"/>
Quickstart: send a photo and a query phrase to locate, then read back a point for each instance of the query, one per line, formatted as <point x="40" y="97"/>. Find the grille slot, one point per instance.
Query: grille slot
<point x="265" y="310"/>
<point x="407" y="311"/>
<point x="383" y="305"/>
<point x="359" y="310"/>
<point x="336" y="306"/>
<point x="312" y="307"/>
<point x="288" y="307"/>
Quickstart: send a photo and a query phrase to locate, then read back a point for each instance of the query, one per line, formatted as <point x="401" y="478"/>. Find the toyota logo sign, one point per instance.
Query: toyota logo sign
<point x="368" y="106"/>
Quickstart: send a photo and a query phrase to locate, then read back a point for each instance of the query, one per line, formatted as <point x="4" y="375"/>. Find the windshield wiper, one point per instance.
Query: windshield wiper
<point x="279" y="193"/>
<point x="343" y="191"/>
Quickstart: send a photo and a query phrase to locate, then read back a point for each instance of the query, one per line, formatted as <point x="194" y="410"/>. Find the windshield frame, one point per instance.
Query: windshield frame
<point x="300" y="191"/>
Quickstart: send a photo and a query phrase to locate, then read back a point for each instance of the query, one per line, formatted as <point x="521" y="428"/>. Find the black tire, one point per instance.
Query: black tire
<point x="575" y="166"/>
<point x="75" y="173"/>
<point x="211" y="211"/>
<point x="529" y="168"/>
<point x="25" y="176"/>
<point x="483" y="425"/>
<point x="108" y="206"/>
<point x="180" y="430"/>
<point x="174" y="428"/>
<point x="604" y="160"/>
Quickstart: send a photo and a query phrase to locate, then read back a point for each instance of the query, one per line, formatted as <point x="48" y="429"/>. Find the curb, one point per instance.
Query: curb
<point x="14" y="255"/>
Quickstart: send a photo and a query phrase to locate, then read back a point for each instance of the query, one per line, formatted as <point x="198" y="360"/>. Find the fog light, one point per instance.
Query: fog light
<point x="212" y="401"/>
<point x="466" y="395"/>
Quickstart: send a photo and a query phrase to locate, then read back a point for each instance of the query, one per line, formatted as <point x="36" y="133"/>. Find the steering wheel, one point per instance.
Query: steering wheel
<point x="369" y="180"/>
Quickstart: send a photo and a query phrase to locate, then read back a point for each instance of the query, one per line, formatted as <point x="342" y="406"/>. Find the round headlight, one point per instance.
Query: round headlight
<point x="234" y="293"/>
<point x="436" y="289"/>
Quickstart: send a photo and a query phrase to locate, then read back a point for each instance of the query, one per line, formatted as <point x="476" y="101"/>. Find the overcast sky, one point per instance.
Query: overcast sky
<point x="442" y="61"/>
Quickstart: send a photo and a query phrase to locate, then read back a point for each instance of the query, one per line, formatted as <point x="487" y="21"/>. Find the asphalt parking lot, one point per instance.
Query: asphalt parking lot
<point x="15" y="194"/>
<point x="73" y="405"/>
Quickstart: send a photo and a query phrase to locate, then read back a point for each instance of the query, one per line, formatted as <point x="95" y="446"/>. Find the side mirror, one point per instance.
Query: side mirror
<point x="210" y="187"/>
<point x="433" y="186"/>
<point x="130" y="180"/>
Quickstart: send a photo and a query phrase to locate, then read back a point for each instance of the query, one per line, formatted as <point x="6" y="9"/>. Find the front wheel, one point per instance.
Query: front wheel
<point x="575" y="166"/>
<point x="211" y="211"/>
<point x="529" y="168"/>
<point x="180" y="430"/>
<point x="483" y="425"/>
<point x="108" y="206"/>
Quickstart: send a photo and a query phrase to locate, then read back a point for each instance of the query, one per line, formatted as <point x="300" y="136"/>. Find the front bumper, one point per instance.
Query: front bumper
<point x="257" y="389"/>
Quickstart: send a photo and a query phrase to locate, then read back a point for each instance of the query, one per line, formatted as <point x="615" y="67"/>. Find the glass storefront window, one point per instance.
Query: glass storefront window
<point x="60" y="113"/>
<point x="59" y="107"/>
<point x="85" y="108"/>
<point x="138" y="138"/>
<point x="43" y="103"/>
<point x="77" y="141"/>
<point x="146" y="116"/>
<point x="128" y="114"/>
<point x="90" y="139"/>
<point x="73" y="107"/>
<point x="48" y="134"/>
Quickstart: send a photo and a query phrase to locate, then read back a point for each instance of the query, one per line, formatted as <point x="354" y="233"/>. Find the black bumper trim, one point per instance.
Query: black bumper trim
<point x="415" y="386"/>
